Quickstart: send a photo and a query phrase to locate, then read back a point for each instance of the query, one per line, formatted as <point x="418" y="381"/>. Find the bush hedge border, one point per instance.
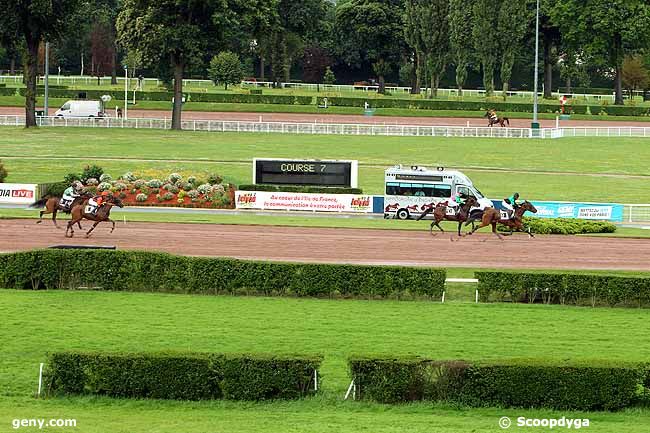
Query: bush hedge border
<point x="143" y="271"/>
<point x="522" y="383"/>
<point x="182" y="376"/>
<point x="563" y="288"/>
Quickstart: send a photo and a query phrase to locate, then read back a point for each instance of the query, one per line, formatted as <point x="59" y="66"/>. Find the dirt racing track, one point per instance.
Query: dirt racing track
<point x="395" y="247"/>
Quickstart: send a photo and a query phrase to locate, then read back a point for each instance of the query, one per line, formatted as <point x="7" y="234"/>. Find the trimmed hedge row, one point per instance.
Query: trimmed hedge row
<point x="527" y="383"/>
<point x="565" y="226"/>
<point x="181" y="376"/>
<point x="301" y="189"/>
<point x="564" y="288"/>
<point x="141" y="271"/>
<point x="7" y="91"/>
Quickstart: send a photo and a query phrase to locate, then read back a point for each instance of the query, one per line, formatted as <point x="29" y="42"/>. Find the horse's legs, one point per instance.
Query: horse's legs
<point x="112" y="222"/>
<point x="70" y="229"/>
<point x="54" y="218"/>
<point x="91" y="229"/>
<point x="494" y="231"/>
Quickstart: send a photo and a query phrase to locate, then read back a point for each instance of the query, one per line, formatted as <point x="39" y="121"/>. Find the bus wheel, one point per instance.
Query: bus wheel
<point x="402" y="214"/>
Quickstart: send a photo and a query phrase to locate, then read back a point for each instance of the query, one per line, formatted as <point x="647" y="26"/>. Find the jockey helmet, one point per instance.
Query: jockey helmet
<point x="104" y="194"/>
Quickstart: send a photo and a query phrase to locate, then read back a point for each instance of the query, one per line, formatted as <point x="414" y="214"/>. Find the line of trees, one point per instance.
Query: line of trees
<point x="422" y="43"/>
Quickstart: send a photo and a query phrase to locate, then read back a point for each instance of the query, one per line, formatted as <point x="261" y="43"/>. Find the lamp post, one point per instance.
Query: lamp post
<point x="126" y="91"/>
<point x="535" y="124"/>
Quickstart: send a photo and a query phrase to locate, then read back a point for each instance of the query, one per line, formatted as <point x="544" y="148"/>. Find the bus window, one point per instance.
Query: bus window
<point x="392" y="188"/>
<point x="442" y="191"/>
<point x="465" y="191"/>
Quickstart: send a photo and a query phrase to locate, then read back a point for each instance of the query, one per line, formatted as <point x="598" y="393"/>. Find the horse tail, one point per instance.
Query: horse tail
<point x="425" y="213"/>
<point x="39" y="204"/>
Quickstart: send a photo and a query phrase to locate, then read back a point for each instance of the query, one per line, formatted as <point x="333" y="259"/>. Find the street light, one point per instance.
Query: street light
<point x="126" y="91"/>
<point x="535" y="124"/>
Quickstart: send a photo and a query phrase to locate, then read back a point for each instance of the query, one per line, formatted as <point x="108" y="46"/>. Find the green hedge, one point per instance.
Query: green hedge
<point x="564" y="288"/>
<point x="588" y="90"/>
<point x="527" y="383"/>
<point x="181" y="376"/>
<point x="7" y="91"/>
<point x="301" y="189"/>
<point x="564" y="226"/>
<point x="159" y="272"/>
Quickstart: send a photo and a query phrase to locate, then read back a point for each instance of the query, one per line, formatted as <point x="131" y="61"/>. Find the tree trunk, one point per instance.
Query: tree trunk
<point x="262" y="68"/>
<point x="31" y="72"/>
<point x="618" y="49"/>
<point x="461" y="75"/>
<point x="548" y="71"/>
<point x="382" y="85"/>
<point x="418" y="74"/>
<point x="12" y="65"/>
<point x="434" y="86"/>
<point x="178" y="93"/>
<point x="506" y="87"/>
<point x="568" y="84"/>
<point x="82" y="64"/>
<point x="114" y="66"/>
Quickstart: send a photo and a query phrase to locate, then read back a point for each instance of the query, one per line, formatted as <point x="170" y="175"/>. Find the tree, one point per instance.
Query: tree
<point x="373" y="29"/>
<point x="172" y="34"/>
<point x="413" y="36"/>
<point x="551" y="40"/>
<point x="635" y="74"/>
<point x="514" y="17"/>
<point x="102" y="49"/>
<point x="434" y="22"/>
<point x="485" y="33"/>
<point x="35" y="21"/>
<point x="315" y="62"/>
<point x="608" y="30"/>
<point x="460" y="39"/>
<point x="226" y="68"/>
<point x="329" y="77"/>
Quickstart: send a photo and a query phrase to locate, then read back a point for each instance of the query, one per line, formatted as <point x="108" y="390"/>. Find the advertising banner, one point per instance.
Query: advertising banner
<point x="587" y="211"/>
<point x="305" y="202"/>
<point x="18" y="193"/>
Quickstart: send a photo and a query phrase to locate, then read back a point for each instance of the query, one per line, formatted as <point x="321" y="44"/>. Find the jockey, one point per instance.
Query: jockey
<point x="72" y="192"/>
<point x="510" y="203"/>
<point x="457" y="201"/>
<point x="100" y="199"/>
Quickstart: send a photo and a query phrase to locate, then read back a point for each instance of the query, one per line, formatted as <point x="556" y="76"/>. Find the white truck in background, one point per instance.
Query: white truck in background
<point x="79" y="108"/>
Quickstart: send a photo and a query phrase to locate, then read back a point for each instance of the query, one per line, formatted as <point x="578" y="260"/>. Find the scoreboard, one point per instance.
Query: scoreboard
<point x="305" y="172"/>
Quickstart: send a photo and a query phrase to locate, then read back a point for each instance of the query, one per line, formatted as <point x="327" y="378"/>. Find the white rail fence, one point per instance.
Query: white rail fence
<point x="636" y="213"/>
<point x="331" y="128"/>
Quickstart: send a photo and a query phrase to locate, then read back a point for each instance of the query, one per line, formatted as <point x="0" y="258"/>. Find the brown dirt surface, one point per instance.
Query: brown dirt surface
<point x="361" y="246"/>
<point x="350" y="118"/>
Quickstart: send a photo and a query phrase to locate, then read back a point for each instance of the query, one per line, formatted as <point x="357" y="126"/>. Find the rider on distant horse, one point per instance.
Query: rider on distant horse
<point x="98" y="201"/>
<point x="510" y="204"/>
<point x="458" y="202"/>
<point x="72" y="192"/>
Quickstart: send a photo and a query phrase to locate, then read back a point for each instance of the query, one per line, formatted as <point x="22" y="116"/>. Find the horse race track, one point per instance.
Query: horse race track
<point x="365" y="246"/>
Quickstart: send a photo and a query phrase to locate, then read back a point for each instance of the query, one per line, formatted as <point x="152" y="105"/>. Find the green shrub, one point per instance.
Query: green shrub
<point x="256" y="91"/>
<point x="565" y="226"/>
<point x="154" y="183"/>
<point x="105" y="177"/>
<point x="3" y="172"/>
<point x="181" y="376"/>
<point x="9" y="91"/>
<point x="527" y="383"/>
<point x="301" y="189"/>
<point x="159" y="272"/>
<point x="564" y="288"/>
<point x="104" y="186"/>
<point x="91" y="171"/>
<point x="168" y="196"/>
<point x="214" y="179"/>
<point x="174" y="177"/>
<point x="141" y="197"/>
<point x="56" y="189"/>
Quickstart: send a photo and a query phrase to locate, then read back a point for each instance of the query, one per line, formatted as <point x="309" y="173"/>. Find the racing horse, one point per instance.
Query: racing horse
<point x="493" y="119"/>
<point x="53" y="205"/>
<point x="102" y="214"/>
<point x="440" y="214"/>
<point x="492" y="216"/>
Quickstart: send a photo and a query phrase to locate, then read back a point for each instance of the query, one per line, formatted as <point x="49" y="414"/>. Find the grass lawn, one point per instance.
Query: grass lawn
<point x="544" y="169"/>
<point x="35" y="323"/>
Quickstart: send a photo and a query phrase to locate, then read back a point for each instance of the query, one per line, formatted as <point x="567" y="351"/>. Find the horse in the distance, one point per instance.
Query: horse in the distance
<point x="492" y="216"/>
<point x="53" y="205"/>
<point x="102" y="214"/>
<point x="494" y="119"/>
<point x="440" y="214"/>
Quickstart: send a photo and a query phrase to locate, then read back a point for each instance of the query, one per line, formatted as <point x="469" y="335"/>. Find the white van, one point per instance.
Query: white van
<point x="81" y="109"/>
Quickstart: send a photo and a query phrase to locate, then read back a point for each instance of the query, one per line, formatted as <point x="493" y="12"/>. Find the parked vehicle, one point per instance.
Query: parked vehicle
<point x="75" y="108"/>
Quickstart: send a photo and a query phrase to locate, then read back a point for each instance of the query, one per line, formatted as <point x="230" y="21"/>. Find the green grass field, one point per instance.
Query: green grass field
<point x="35" y="323"/>
<point x="592" y="169"/>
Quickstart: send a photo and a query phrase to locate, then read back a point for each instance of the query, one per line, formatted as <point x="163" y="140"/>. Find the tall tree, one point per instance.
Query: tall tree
<point x="413" y="37"/>
<point x="608" y="30"/>
<point x="374" y="28"/>
<point x="173" y="34"/>
<point x="551" y="43"/>
<point x="35" y="21"/>
<point x="514" y="17"/>
<point x="434" y="22"/>
<point x="460" y="38"/>
<point x="485" y="32"/>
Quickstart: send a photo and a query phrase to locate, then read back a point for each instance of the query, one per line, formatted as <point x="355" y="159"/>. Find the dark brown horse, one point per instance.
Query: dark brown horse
<point x="53" y="205"/>
<point x="102" y="214"/>
<point x="493" y="119"/>
<point x="492" y="216"/>
<point x="440" y="214"/>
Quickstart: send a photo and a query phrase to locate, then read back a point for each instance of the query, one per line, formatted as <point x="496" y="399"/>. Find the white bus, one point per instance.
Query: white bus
<point x="410" y="190"/>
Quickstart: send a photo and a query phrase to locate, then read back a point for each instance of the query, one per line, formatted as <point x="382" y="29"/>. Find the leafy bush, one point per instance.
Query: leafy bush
<point x="154" y="183"/>
<point x="159" y="198"/>
<point x="181" y="376"/>
<point x="564" y="288"/>
<point x="92" y="182"/>
<point x="3" y="172"/>
<point x="105" y="178"/>
<point x="187" y="186"/>
<point x="104" y="186"/>
<point x="129" y="177"/>
<point x="204" y="189"/>
<point x="192" y="180"/>
<point x="528" y="383"/>
<point x="301" y="189"/>
<point x="141" y="197"/>
<point x="143" y="271"/>
<point x="70" y="178"/>
<point x="168" y="196"/>
<point x="56" y="189"/>
<point x="91" y="171"/>
<point x="181" y="195"/>
<point x="218" y="189"/>
<point x="564" y="226"/>
<point x="120" y="186"/>
<point x="138" y="184"/>
<point x="214" y="179"/>
<point x="122" y="195"/>
<point x="193" y="194"/>
<point x="175" y="177"/>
